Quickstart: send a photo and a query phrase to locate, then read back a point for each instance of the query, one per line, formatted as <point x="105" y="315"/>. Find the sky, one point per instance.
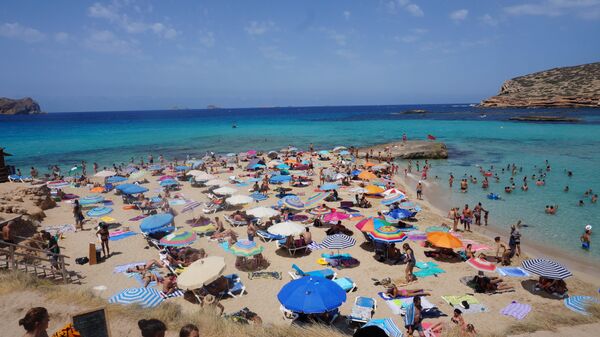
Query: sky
<point x="137" y="55"/>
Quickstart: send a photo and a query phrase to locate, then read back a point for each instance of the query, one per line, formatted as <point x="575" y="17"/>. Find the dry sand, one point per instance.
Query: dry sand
<point x="261" y="296"/>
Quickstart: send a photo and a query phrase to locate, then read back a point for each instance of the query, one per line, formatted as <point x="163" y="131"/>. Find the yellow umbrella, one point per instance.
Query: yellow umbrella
<point x="444" y="240"/>
<point x="366" y="175"/>
<point x="372" y="189"/>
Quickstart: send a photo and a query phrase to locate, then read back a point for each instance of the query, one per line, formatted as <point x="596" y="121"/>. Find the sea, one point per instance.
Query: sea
<point x="475" y="138"/>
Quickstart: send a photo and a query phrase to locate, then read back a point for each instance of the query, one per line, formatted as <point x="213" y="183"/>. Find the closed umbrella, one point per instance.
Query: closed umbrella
<point x="178" y="239"/>
<point x="311" y="295"/>
<point x="239" y="200"/>
<point x="546" y="268"/>
<point x="201" y="273"/>
<point x="444" y="240"/>
<point x="225" y="190"/>
<point x="286" y="228"/>
<point x="246" y="248"/>
<point x="262" y="212"/>
<point x="145" y="297"/>
<point x="105" y="173"/>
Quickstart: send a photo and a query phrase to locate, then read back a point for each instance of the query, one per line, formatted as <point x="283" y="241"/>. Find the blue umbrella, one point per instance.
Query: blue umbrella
<point x="125" y="186"/>
<point x="99" y="211"/>
<point x="280" y="178"/>
<point x="400" y="213"/>
<point x="329" y="187"/>
<point x="356" y="172"/>
<point x="146" y="297"/>
<point x="387" y="325"/>
<point x="311" y="295"/>
<point x="115" y="179"/>
<point x="182" y="168"/>
<point x="323" y="152"/>
<point x="258" y="196"/>
<point x="91" y="199"/>
<point x="135" y="189"/>
<point x="168" y="182"/>
<point x="344" y="153"/>
<point x="157" y="223"/>
<point x="283" y="166"/>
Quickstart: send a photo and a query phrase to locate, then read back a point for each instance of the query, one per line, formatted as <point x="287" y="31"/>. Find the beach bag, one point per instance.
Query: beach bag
<point x="82" y="260"/>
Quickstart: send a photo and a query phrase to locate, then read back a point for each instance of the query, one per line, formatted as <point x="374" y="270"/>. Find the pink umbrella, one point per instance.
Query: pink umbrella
<point x="336" y="216"/>
<point x="165" y="178"/>
<point x="482" y="265"/>
<point x="251" y="152"/>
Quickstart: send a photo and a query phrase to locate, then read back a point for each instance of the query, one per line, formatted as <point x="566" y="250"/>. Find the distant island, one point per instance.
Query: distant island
<point x="23" y="106"/>
<point x="557" y="119"/>
<point x="211" y="107"/>
<point x="568" y="87"/>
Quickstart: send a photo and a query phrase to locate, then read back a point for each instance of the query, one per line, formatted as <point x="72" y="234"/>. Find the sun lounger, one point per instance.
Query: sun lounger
<point x="288" y="314"/>
<point x="268" y="237"/>
<point x="235" y="223"/>
<point x="213" y="207"/>
<point x="346" y="283"/>
<point x="291" y="250"/>
<point x="362" y="310"/>
<point x="298" y="273"/>
<point x="235" y="287"/>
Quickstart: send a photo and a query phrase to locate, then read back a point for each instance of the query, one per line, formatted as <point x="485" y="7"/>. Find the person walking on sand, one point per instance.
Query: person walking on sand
<point x="467" y="218"/>
<point x="78" y="215"/>
<point x="514" y="243"/>
<point x="420" y="190"/>
<point x="410" y="263"/>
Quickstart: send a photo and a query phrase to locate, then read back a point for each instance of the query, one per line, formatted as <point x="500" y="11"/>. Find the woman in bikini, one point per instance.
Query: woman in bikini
<point x="394" y="292"/>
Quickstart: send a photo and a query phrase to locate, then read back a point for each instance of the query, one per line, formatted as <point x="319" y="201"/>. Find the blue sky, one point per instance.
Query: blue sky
<point x="128" y="55"/>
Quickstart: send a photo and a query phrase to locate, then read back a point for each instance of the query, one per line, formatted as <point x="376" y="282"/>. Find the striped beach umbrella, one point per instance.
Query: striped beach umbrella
<point x="546" y="268"/>
<point x="387" y="325"/>
<point x="179" y="239"/>
<point x="293" y="202"/>
<point x="190" y="205"/>
<point x="57" y="184"/>
<point x="317" y="198"/>
<point x="335" y="217"/>
<point x="482" y="265"/>
<point x="369" y="224"/>
<point x="98" y="211"/>
<point x="338" y="241"/>
<point x="580" y="304"/>
<point x="146" y="297"/>
<point x="246" y="248"/>
<point x="392" y="198"/>
<point x="388" y="234"/>
<point x="320" y="210"/>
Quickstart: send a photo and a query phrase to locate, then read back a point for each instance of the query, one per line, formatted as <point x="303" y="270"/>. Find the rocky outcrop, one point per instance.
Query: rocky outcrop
<point x="30" y="201"/>
<point x="570" y="87"/>
<point x="556" y="119"/>
<point x="412" y="149"/>
<point x="24" y="106"/>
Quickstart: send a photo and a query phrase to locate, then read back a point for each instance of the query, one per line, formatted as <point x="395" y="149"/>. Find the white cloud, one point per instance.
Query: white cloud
<point x="415" y="10"/>
<point x="394" y="6"/>
<point x="275" y="54"/>
<point x="346" y="15"/>
<point x="489" y="20"/>
<point x="255" y="28"/>
<point x="413" y="36"/>
<point x="105" y="41"/>
<point x="459" y="15"/>
<point x="207" y="39"/>
<point x="17" y="31"/>
<point x="553" y="8"/>
<point x="113" y="13"/>
<point x="345" y="53"/>
<point x="61" y="37"/>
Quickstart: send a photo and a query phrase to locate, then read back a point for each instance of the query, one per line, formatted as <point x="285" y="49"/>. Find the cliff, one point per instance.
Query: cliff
<point x="570" y="87"/>
<point x="24" y="106"/>
<point x="412" y="149"/>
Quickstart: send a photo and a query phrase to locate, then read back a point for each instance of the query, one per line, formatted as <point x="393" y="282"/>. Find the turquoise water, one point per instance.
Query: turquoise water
<point x="68" y="138"/>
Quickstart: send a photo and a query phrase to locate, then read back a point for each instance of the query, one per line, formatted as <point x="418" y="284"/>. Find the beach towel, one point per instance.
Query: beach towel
<point x="512" y="272"/>
<point x="128" y="207"/>
<point x="60" y="229"/>
<point x="107" y="202"/>
<point x="429" y="269"/>
<point x="176" y="293"/>
<point x="176" y="202"/>
<point x="107" y="219"/>
<point x="123" y="267"/>
<point x="265" y="274"/>
<point x="426" y="330"/>
<point x="121" y="236"/>
<point x="138" y="277"/>
<point x="398" y="305"/>
<point x="516" y="310"/>
<point x="425" y="265"/>
<point x="452" y="300"/>
<point x="139" y="217"/>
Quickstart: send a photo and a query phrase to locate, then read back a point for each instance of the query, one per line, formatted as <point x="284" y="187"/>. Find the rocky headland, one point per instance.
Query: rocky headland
<point x="23" y="106"/>
<point x="569" y="87"/>
<point x="556" y="119"/>
<point x="411" y="149"/>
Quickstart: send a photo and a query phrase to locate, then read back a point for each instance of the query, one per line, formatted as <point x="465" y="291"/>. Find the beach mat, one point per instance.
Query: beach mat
<point x="512" y="272"/>
<point x="474" y="305"/>
<point x="139" y="217"/>
<point x="516" y="310"/>
<point x="398" y="305"/>
<point x="122" y="236"/>
<point x="275" y="275"/>
<point x="123" y="267"/>
<point x="427" y="269"/>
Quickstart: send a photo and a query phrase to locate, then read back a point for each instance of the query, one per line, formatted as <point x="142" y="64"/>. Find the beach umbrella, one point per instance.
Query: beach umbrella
<point x="166" y="177"/>
<point x="216" y="182"/>
<point x="311" y="295"/>
<point x="335" y="217"/>
<point x="181" y="168"/>
<point x="115" y="179"/>
<point x="388" y="234"/>
<point x="393" y="191"/>
<point x="145" y="297"/>
<point x="580" y="304"/>
<point x="246" y="248"/>
<point x="225" y="190"/>
<point x="91" y="199"/>
<point x="138" y="174"/>
<point x="259" y="196"/>
<point x="282" y="167"/>
<point x="202" y="176"/>
<point x="98" y="189"/>
<point x="320" y="210"/>
<point x="201" y="273"/>
<point x="387" y="325"/>
<point x="293" y="202"/>
<point x="546" y="268"/>
<point x="369" y="224"/>
<point x="444" y="240"/>
<point x="169" y="182"/>
<point x="339" y="148"/>
<point x="280" y="178"/>
<point x="190" y="205"/>
<point x="329" y="187"/>
<point x="358" y="190"/>
<point x="366" y="175"/>
<point x="178" y="239"/>
<point x="482" y="265"/>
<point x="369" y="164"/>
<point x="324" y="153"/>
<point x="398" y="214"/>
<point x="262" y="212"/>
<point x="239" y="200"/>
<point x="338" y="241"/>
<point x="392" y="198"/>
<point x="157" y="223"/>
<point x="105" y="173"/>
<point x="344" y="153"/>
<point x="134" y="189"/>
<point x="98" y="211"/>
<point x="286" y="228"/>
<point x="195" y="172"/>
<point x="372" y="189"/>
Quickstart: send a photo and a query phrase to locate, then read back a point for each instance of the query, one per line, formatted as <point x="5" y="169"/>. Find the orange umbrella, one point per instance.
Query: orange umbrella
<point x="97" y="190"/>
<point x="372" y="189"/>
<point x="369" y="164"/>
<point x="444" y="240"/>
<point x="291" y="161"/>
<point x="366" y="175"/>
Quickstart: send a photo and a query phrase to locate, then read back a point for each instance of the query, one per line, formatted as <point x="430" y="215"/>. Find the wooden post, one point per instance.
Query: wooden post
<point x="92" y="253"/>
<point x="13" y="262"/>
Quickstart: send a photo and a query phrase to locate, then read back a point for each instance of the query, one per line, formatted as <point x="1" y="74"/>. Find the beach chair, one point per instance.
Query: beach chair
<point x="268" y="237"/>
<point x="213" y="207"/>
<point x="235" y="287"/>
<point x="332" y="316"/>
<point x="235" y="223"/>
<point x="297" y="273"/>
<point x="288" y="314"/>
<point x="291" y="250"/>
<point x="346" y="283"/>
<point x="362" y="310"/>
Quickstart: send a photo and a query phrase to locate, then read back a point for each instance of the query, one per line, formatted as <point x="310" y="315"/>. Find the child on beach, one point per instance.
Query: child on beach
<point x="586" y="239"/>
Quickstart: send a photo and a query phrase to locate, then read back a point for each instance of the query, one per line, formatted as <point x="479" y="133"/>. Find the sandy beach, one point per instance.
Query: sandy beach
<point x="261" y="293"/>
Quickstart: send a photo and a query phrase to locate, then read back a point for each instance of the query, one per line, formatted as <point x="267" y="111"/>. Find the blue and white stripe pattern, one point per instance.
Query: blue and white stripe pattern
<point x="146" y="297"/>
<point x="547" y="268"/>
<point x="387" y="325"/>
<point x="190" y="205"/>
<point x="338" y="241"/>
<point x="579" y="304"/>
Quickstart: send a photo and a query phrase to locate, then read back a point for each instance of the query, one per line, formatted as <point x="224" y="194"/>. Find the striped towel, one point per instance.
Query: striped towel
<point x="512" y="272"/>
<point x="516" y="310"/>
<point x="123" y="267"/>
<point x="409" y="316"/>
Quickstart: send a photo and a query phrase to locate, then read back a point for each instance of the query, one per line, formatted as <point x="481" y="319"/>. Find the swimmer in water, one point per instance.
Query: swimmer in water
<point x="586" y="239"/>
<point x="525" y="187"/>
<point x="594" y="198"/>
<point x="566" y="188"/>
<point x="580" y="203"/>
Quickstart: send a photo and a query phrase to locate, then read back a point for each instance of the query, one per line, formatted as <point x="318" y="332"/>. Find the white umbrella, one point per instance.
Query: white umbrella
<point x="226" y="190"/>
<point x="340" y="176"/>
<point x="138" y="174"/>
<point x="358" y="190"/>
<point x="195" y="172"/>
<point x="286" y="228"/>
<point x="339" y="148"/>
<point x="238" y="199"/>
<point x="201" y="273"/>
<point x="262" y="212"/>
<point x="105" y="173"/>
<point x="216" y="182"/>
